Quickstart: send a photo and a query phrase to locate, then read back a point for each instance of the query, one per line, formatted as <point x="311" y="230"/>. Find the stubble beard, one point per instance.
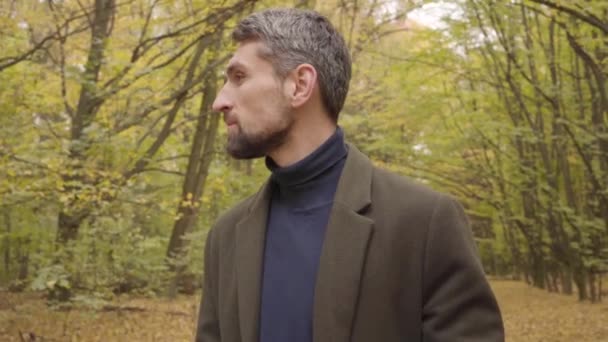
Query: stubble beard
<point x="242" y="145"/>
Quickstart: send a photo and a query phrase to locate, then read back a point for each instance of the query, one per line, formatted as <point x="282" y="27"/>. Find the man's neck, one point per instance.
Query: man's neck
<point x="302" y="141"/>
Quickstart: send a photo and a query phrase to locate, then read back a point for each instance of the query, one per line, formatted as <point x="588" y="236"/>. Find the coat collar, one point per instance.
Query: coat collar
<point x="342" y="257"/>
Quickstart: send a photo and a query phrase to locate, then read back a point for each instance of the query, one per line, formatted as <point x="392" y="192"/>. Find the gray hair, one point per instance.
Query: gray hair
<point x="293" y="37"/>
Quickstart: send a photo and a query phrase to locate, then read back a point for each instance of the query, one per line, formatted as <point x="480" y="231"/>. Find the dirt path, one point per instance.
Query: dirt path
<point x="530" y="315"/>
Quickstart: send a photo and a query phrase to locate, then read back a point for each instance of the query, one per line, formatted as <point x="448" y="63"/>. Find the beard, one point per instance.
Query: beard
<point x="243" y="145"/>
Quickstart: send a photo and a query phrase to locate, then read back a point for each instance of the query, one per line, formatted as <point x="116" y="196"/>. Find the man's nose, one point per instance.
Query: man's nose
<point x="222" y="102"/>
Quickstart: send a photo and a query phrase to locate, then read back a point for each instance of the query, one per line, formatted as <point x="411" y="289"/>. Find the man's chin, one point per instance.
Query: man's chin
<point x="244" y="152"/>
<point x="242" y="146"/>
<point x="236" y="154"/>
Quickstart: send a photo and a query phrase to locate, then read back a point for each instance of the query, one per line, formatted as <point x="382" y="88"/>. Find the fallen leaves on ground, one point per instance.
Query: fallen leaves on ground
<point x="530" y="315"/>
<point x="127" y="319"/>
<point x="534" y="315"/>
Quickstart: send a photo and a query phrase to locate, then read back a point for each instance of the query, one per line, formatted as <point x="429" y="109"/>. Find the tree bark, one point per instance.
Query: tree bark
<point x="72" y="215"/>
<point x="566" y="280"/>
<point x="592" y="288"/>
<point x="7" y="243"/>
<point x="580" y="280"/>
<point x="199" y="161"/>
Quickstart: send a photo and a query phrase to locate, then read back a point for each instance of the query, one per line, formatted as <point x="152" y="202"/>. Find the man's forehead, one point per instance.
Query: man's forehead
<point x="236" y="60"/>
<point x="250" y="60"/>
<point x="246" y="51"/>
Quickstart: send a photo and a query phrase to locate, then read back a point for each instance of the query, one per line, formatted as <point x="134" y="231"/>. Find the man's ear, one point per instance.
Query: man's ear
<point x="304" y="78"/>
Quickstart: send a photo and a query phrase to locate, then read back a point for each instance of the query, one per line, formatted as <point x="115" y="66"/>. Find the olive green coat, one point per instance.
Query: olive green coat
<point x="398" y="264"/>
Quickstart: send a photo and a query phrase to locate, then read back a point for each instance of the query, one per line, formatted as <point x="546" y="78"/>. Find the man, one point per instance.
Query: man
<point x="331" y="249"/>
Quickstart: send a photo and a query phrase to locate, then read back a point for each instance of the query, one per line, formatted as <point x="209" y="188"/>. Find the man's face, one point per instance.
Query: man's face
<point x="254" y="103"/>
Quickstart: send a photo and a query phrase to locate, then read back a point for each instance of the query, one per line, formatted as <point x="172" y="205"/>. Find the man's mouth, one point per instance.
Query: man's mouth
<point x="230" y="120"/>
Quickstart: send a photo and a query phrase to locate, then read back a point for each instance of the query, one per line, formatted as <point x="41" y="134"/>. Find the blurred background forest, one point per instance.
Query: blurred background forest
<point x="112" y="166"/>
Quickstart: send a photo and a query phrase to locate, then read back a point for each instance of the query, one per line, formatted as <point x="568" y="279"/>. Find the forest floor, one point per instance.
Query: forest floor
<point x="534" y="315"/>
<point x="530" y="315"/>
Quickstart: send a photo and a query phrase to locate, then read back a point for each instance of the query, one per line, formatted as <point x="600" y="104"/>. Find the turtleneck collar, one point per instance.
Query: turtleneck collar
<point x="315" y="164"/>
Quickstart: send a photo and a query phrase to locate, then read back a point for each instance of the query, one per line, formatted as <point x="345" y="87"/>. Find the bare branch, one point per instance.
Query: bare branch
<point x="170" y="172"/>
<point x="177" y="93"/>
<point x="181" y="156"/>
<point x="585" y="16"/>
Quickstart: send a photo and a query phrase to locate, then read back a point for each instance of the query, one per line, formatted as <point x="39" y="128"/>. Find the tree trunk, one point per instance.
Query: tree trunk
<point x="580" y="280"/>
<point x="555" y="280"/>
<point x="24" y="266"/>
<point x="538" y="269"/>
<point x="592" y="287"/>
<point x="599" y="287"/>
<point x="548" y="282"/>
<point x="23" y="258"/>
<point x="527" y="276"/>
<point x="68" y="225"/>
<point x="7" y="245"/>
<point x="201" y="155"/>
<point x="71" y="217"/>
<point x="566" y="280"/>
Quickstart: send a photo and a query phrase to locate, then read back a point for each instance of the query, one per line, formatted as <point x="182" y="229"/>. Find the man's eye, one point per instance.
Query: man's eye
<point x="239" y="76"/>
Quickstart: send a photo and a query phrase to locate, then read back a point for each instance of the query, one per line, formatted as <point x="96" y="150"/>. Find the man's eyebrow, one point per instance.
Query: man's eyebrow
<point x="233" y="66"/>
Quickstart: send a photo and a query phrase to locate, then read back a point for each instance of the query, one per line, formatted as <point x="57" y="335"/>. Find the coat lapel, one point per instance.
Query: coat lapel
<point x="344" y="251"/>
<point x="251" y="231"/>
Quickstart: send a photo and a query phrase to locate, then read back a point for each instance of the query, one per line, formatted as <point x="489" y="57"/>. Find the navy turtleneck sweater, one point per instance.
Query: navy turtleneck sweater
<point x="302" y="198"/>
